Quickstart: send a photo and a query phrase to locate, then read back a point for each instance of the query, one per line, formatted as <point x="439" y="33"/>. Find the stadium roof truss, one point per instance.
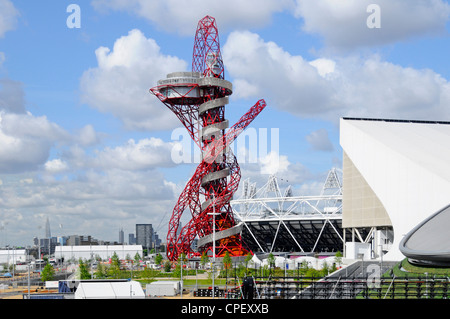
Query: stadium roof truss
<point x="275" y="221"/>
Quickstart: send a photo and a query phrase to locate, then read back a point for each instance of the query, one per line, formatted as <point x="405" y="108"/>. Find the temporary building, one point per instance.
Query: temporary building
<point x="163" y="288"/>
<point x="109" y="290"/>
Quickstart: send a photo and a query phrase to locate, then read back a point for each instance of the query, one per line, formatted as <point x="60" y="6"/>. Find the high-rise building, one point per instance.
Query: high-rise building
<point x="121" y="235"/>
<point x="144" y="235"/>
<point x="48" y="234"/>
<point x="131" y="239"/>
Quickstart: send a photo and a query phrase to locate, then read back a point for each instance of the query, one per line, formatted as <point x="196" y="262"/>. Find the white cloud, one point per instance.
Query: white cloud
<point x="56" y="166"/>
<point x="26" y="141"/>
<point x="274" y="163"/>
<point x="290" y="82"/>
<point x="376" y="88"/>
<point x="332" y="88"/>
<point x="324" y="66"/>
<point x="182" y="16"/>
<point x="343" y="24"/>
<point x="145" y="154"/>
<point x="87" y="136"/>
<point x="8" y="17"/>
<point x="320" y="141"/>
<point x="95" y="203"/>
<point x="120" y="83"/>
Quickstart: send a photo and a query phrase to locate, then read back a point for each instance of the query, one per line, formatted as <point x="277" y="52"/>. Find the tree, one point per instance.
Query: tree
<point x="271" y="261"/>
<point x="304" y="266"/>
<point x="84" y="272"/>
<point x="167" y="266"/>
<point x="182" y="259"/>
<point x="226" y="265"/>
<point x="226" y="261"/>
<point x="137" y="258"/>
<point x="204" y="259"/>
<point x="115" y="260"/>
<point x="247" y="259"/>
<point x="100" y="273"/>
<point x="338" y="258"/>
<point x="158" y="259"/>
<point x="325" y="269"/>
<point x="114" y="268"/>
<point x="47" y="273"/>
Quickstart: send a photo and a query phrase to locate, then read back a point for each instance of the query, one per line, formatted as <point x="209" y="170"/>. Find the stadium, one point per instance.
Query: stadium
<point x="390" y="201"/>
<point x="273" y="220"/>
<point x="397" y="183"/>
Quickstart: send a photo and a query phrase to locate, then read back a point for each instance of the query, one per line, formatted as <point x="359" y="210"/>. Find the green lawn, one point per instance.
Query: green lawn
<point x="406" y="269"/>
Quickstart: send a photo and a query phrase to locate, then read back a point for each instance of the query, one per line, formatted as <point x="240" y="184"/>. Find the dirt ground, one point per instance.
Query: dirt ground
<point x="17" y="293"/>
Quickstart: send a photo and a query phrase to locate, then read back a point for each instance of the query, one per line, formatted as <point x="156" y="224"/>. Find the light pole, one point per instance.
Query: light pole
<point x="381" y="260"/>
<point x="29" y="264"/>
<point x="181" y="277"/>
<point x="214" y="241"/>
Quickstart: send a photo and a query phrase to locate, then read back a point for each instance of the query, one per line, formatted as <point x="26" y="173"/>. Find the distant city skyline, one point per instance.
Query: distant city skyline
<point x="47" y="234"/>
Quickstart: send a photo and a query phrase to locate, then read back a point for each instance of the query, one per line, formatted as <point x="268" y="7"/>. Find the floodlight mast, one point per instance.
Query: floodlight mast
<point x="198" y="99"/>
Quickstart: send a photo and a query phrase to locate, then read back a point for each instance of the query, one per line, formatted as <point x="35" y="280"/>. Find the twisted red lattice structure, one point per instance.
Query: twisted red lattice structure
<point x="198" y="99"/>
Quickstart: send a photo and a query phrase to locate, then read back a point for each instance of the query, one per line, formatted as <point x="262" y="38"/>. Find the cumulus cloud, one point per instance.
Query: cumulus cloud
<point x="26" y="141"/>
<point x="56" y="166"/>
<point x="295" y="174"/>
<point x="87" y="136"/>
<point x="271" y="72"/>
<point x="8" y="17"/>
<point x="120" y="83"/>
<point x="90" y="192"/>
<point x="376" y="88"/>
<point x="343" y="24"/>
<point x="273" y="163"/>
<point x="331" y="88"/>
<point x="93" y="202"/>
<point x="182" y="16"/>
<point x="144" y="154"/>
<point x="320" y="141"/>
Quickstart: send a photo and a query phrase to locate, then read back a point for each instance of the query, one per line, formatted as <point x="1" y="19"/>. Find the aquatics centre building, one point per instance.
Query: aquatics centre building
<point x="396" y="189"/>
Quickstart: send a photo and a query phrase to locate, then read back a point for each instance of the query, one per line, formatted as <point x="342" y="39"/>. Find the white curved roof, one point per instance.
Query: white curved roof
<point x="405" y="163"/>
<point x="429" y="241"/>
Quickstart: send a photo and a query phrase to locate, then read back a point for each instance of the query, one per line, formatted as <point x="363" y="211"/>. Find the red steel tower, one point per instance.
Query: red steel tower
<point x="198" y="99"/>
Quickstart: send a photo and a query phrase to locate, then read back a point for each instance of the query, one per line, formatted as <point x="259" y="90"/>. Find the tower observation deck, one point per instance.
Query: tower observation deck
<point x="198" y="99"/>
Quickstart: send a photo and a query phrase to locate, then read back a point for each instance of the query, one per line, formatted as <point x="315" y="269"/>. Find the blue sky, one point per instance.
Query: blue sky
<point x="87" y="145"/>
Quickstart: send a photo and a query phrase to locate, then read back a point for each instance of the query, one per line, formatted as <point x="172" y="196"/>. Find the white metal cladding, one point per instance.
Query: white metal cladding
<point x="406" y="164"/>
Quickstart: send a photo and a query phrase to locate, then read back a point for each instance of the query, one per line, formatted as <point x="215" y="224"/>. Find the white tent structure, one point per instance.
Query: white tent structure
<point x="109" y="290"/>
<point x="102" y="251"/>
<point x="12" y="256"/>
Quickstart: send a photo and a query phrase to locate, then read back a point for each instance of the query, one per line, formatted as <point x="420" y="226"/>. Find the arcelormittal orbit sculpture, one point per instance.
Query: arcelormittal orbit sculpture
<point x="198" y="99"/>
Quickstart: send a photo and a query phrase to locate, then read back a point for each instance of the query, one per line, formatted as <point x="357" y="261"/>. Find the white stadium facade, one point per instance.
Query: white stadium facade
<point x="396" y="189"/>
